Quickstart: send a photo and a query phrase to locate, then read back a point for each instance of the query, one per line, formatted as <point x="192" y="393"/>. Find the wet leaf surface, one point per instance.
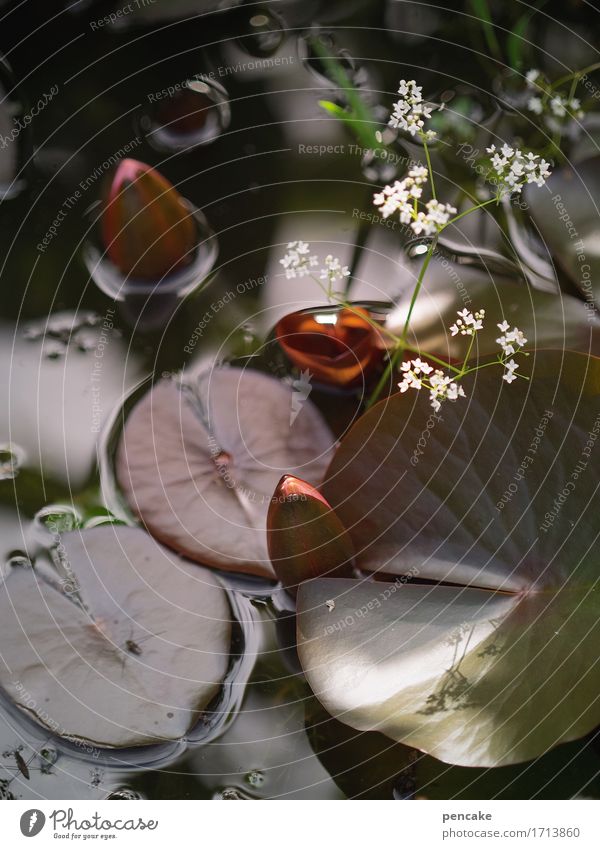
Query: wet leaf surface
<point x="200" y="466"/>
<point x="499" y="664"/>
<point x="115" y="652"/>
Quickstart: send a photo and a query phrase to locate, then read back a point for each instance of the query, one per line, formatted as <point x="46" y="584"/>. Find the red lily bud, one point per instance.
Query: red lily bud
<point x="147" y="227"/>
<point x="305" y="538"/>
<point x="341" y="351"/>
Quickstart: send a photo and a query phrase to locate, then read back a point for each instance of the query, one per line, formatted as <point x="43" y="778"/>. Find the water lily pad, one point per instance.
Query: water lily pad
<point x="126" y="650"/>
<point x="199" y="462"/>
<point x="499" y="500"/>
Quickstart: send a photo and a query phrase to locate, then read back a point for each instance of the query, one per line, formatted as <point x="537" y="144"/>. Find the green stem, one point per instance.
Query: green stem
<point x="399" y="352"/>
<point x="467" y="211"/>
<point x="429" y="168"/>
<point x="562" y="80"/>
<point x="417" y="289"/>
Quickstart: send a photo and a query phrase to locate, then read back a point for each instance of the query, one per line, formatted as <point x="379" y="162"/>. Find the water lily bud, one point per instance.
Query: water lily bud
<point x="340" y="348"/>
<point x="305" y="538"/>
<point x="148" y="229"/>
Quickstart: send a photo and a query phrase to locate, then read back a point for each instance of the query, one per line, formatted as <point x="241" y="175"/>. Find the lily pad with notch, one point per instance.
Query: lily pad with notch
<point x="199" y="460"/>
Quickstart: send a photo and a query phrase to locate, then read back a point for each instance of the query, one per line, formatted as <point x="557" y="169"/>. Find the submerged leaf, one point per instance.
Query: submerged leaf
<point x="498" y="497"/>
<point x="199" y="463"/>
<point x="125" y="651"/>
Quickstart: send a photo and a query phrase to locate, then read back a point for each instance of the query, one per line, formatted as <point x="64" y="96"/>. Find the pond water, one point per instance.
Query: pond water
<point x="264" y="167"/>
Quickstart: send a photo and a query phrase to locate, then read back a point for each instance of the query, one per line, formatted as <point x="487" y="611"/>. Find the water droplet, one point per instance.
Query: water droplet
<point x="231" y="793"/>
<point x="48" y="757"/>
<point x="126" y="794"/>
<point x="11" y="459"/>
<point x="315" y="63"/>
<point x="262" y="34"/>
<point x="417" y="248"/>
<point x="57" y="519"/>
<point x="194" y="115"/>
<point x="255" y="778"/>
<point x="19" y="560"/>
<point x="53" y="349"/>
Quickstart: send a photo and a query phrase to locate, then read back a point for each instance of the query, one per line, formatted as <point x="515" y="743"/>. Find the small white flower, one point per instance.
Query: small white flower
<point x="430" y="222"/>
<point x="400" y="196"/>
<point x="514" y="169"/>
<point x="468" y="323"/>
<point x="298" y="261"/>
<point x="410" y="112"/>
<point x="333" y="269"/>
<point x="532" y="76"/>
<point x="511" y="340"/>
<point x="417" y="374"/>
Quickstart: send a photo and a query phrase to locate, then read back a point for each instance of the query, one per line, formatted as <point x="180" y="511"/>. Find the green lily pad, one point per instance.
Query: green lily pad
<point x="127" y="648"/>
<point x="499" y="501"/>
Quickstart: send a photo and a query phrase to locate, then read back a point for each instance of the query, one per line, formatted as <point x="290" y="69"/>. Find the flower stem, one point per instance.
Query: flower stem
<point x="429" y="168"/>
<point x="467" y="211"/>
<point x="399" y="352"/>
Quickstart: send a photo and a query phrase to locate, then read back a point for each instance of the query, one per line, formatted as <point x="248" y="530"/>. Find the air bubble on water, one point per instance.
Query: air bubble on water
<point x="19" y="560"/>
<point x="262" y="33"/>
<point x="196" y="114"/>
<point x="48" y="757"/>
<point x="11" y="460"/>
<point x="255" y="778"/>
<point x="417" y="248"/>
<point x="53" y="349"/>
<point x="126" y="794"/>
<point x="231" y="793"/>
<point x="57" y="519"/>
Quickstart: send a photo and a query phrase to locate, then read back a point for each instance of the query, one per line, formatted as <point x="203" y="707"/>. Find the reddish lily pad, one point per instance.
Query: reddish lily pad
<point x="127" y="649"/>
<point x="498" y="500"/>
<point x="199" y="462"/>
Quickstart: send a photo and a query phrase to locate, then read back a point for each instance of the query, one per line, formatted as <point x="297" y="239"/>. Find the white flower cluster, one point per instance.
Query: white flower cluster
<point x="511" y="343"/>
<point x="549" y="103"/>
<point x="400" y="197"/>
<point x="513" y="168"/>
<point x="437" y="216"/>
<point x="403" y="197"/>
<point x="410" y="113"/>
<point x="298" y="262"/>
<point x="417" y="374"/>
<point x="333" y="269"/>
<point x="468" y="323"/>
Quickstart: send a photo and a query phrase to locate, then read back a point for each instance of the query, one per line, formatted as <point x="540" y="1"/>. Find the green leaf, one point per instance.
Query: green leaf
<point x="482" y="11"/>
<point x="498" y="499"/>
